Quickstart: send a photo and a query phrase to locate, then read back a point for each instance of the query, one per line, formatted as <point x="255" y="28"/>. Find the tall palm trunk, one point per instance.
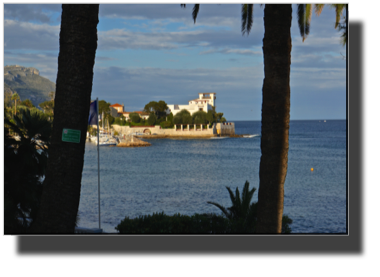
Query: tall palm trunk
<point x="61" y="193"/>
<point x="275" y="117"/>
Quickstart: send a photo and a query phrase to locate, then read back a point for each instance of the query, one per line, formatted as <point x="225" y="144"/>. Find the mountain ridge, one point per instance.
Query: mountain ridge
<point x="28" y="83"/>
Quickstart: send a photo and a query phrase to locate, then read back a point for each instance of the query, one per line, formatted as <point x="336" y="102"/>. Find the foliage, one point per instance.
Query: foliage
<point x="170" y="118"/>
<point x="104" y="107"/>
<point x="159" y="223"/>
<point x="304" y="12"/>
<point x="200" y="117"/>
<point x="166" y="124"/>
<point x="135" y="118"/>
<point x="152" y="119"/>
<point x="219" y="117"/>
<point x="28" y="156"/>
<point x="27" y="103"/>
<point x="158" y="108"/>
<point x="16" y="98"/>
<point x="183" y="117"/>
<point x="211" y="116"/>
<point x="48" y="107"/>
<point x="51" y="95"/>
<point x="241" y="217"/>
<point x="121" y="121"/>
<point x="243" y="214"/>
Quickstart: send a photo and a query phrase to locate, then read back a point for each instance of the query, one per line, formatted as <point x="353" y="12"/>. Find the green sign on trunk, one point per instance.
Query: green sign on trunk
<point x="70" y="135"/>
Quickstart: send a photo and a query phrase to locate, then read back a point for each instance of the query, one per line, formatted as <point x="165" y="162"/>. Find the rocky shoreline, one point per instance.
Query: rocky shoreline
<point x="133" y="142"/>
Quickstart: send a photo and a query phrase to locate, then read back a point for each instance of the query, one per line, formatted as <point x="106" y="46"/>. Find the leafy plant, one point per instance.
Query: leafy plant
<point x="243" y="214"/>
<point x="26" y="141"/>
<point x="152" y="119"/>
<point x="135" y="118"/>
<point x="159" y="223"/>
<point x="200" y="117"/>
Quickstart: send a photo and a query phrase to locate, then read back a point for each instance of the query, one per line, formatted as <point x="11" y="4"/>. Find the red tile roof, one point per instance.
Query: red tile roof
<point x="116" y="105"/>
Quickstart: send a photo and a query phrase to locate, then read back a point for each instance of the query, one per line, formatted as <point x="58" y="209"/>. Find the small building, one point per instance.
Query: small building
<point x="204" y="102"/>
<point x="143" y="115"/>
<point x="118" y="107"/>
<point x="116" y="110"/>
<point x="126" y="115"/>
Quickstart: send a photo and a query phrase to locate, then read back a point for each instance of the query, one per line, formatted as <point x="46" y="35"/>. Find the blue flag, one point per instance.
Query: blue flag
<point x="93" y="117"/>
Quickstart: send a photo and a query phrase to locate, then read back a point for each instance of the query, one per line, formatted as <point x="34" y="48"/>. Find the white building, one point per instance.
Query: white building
<point x="205" y="102"/>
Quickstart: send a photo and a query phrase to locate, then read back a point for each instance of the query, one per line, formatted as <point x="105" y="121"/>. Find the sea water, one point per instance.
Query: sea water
<point x="181" y="175"/>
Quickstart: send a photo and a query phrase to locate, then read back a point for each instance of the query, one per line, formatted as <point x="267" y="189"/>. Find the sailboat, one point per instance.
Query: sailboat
<point x="105" y="139"/>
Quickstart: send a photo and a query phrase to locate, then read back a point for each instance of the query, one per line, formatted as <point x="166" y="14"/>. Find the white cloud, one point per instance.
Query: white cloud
<point x="30" y="36"/>
<point x="247" y="52"/>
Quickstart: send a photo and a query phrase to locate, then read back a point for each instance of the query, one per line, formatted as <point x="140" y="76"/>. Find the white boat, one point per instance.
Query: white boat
<point x="107" y="141"/>
<point x="249" y="136"/>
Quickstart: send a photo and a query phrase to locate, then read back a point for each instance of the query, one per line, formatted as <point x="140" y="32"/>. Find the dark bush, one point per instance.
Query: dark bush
<point x="152" y="119"/>
<point x="183" y="117"/>
<point x="159" y="223"/>
<point x="200" y="117"/>
<point x="166" y="124"/>
<point x="135" y="118"/>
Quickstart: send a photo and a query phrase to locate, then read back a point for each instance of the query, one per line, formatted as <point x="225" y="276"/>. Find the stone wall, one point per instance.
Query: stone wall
<point x="156" y="130"/>
<point x="181" y="130"/>
<point x="225" y="129"/>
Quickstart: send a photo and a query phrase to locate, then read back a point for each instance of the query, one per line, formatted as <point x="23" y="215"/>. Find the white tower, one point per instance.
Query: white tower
<point x="209" y="96"/>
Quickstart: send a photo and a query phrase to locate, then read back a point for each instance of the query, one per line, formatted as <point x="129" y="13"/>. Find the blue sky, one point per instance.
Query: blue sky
<point x="153" y="52"/>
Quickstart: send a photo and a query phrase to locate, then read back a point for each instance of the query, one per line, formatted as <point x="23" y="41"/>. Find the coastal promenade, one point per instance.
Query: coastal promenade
<point x="181" y="130"/>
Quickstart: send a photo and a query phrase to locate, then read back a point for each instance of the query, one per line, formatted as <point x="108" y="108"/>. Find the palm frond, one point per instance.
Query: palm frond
<point x="247" y="196"/>
<point x="195" y="12"/>
<point x="232" y="196"/>
<point x="246" y="18"/>
<point x="318" y="8"/>
<point x="338" y="12"/>
<point x="304" y="18"/>
<point x="237" y="197"/>
<point x="223" y="209"/>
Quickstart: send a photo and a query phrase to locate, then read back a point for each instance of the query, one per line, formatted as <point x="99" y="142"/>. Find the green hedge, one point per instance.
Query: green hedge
<point x="159" y="223"/>
<point x="166" y="124"/>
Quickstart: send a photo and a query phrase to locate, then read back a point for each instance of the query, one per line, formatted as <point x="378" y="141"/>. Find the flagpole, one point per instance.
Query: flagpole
<point x="97" y="120"/>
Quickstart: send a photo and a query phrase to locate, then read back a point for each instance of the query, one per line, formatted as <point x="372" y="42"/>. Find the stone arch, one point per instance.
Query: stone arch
<point x="147" y="132"/>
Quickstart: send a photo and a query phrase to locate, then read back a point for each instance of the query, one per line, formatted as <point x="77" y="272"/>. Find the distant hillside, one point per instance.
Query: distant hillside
<point x="28" y="83"/>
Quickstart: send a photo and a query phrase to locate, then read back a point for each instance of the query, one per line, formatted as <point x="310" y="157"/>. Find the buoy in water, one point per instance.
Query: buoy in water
<point x="312" y="169"/>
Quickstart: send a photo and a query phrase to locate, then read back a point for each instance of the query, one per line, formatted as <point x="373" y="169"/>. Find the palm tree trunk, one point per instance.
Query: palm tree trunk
<point x="275" y="117"/>
<point x="61" y="193"/>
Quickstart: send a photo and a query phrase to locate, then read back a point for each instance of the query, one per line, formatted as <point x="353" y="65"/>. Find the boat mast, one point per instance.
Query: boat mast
<point x="103" y="121"/>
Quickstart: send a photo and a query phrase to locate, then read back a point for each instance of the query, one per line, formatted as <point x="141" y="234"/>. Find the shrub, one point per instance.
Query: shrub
<point x="166" y="124"/>
<point x="183" y="117"/>
<point x="170" y="118"/>
<point x="135" y="118"/>
<point x="243" y="214"/>
<point x="152" y="119"/>
<point x="159" y="223"/>
<point x="200" y="117"/>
